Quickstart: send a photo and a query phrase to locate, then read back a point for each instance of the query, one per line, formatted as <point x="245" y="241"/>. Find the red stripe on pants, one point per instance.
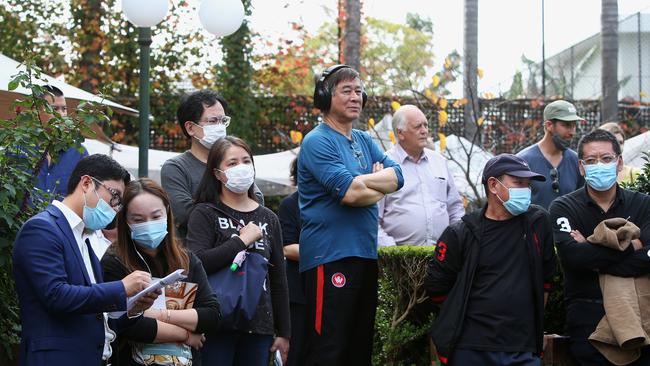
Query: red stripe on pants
<point x="319" y="298"/>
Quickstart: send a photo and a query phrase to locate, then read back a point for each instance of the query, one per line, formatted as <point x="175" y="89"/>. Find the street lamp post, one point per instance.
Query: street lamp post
<point x="144" y="15"/>
<point x="144" y="39"/>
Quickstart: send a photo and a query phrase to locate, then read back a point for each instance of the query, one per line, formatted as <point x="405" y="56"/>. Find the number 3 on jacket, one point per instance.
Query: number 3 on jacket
<point x="564" y="224"/>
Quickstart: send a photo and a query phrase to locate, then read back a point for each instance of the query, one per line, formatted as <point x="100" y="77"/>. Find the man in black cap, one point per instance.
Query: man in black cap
<point x="492" y="273"/>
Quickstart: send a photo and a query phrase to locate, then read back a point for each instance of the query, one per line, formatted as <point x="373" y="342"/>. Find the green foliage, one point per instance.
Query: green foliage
<point x="25" y="143"/>
<point x="33" y="27"/>
<point x="235" y="80"/>
<point x="404" y="314"/>
<point x="396" y="57"/>
<point x="517" y="87"/>
<point x="415" y="21"/>
<point x="642" y="181"/>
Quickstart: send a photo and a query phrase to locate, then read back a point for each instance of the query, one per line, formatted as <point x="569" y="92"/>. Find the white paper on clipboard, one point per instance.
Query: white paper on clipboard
<point x="156" y="285"/>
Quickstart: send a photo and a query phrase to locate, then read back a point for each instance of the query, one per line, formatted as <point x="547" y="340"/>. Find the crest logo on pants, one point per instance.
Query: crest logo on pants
<point x="338" y="279"/>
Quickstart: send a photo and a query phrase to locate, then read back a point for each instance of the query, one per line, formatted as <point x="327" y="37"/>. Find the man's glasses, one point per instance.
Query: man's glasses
<point x="220" y="120"/>
<point x="555" y="184"/>
<point x="116" y="197"/>
<point x="356" y="151"/>
<point x="605" y="159"/>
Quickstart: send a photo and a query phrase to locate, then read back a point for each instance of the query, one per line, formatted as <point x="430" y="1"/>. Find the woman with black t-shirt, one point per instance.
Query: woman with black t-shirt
<point x="226" y="220"/>
<point x="170" y="332"/>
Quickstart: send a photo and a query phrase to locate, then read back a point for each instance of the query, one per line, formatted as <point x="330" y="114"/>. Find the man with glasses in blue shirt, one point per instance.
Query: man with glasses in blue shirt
<point x="574" y="218"/>
<point x="342" y="175"/>
<point x="551" y="156"/>
<point x="202" y="117"/>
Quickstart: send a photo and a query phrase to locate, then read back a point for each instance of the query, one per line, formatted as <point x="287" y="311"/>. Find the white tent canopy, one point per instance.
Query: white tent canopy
<point x="271" y="176"/>
<point x="10" y="67"/>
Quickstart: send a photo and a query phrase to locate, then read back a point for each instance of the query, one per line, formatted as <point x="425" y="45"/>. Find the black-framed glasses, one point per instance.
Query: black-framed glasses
<point x="358" y="153"/>
<point x="116" y="197"/>
<point x="219" y="120"/>
<point x="555" y="181"/>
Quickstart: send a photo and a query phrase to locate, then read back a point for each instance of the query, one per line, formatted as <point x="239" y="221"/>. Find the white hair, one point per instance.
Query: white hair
<point x="399" y="118"/>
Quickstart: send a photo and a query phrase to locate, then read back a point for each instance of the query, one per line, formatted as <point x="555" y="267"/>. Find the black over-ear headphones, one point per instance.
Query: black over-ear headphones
<point x="323" y="97"/>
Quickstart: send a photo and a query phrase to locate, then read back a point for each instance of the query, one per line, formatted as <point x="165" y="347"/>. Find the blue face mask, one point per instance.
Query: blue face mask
<point x="518" y="201"/>
<point x="601" y="177"/>
<point x="98" y="217"/>
<point x="149" y="234"/>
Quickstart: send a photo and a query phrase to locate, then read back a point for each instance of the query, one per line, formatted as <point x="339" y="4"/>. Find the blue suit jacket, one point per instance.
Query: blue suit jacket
<point x="60" y="309"/>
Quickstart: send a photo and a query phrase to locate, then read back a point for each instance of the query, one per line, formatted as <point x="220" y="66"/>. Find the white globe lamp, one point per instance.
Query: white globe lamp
<point x="145" y="13"/>
<point x="221" y="17"/>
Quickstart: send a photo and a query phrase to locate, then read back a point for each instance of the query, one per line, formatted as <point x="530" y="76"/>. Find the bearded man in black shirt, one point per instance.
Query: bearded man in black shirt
<point x="574" y="218"/>
<point x="492" y="272"/>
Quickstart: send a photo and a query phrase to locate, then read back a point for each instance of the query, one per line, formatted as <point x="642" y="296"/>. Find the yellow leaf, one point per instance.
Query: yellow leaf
<point x="465" y="202"/>
<point x="443" y="141"/>
<point x="443" y="103"/>
<point x="456" y="103"/>
<point x="395" y="105"/>
<point x="434" y="98"/>
<point x="643" y="94"/>
<point x="428" y="93"/>
<point x="447" y="63"/>
<point x="296" y="136"/>
<point x="442" y="118"/>
<point x="371" y="123"/>
<point x="480" y="73"/>
<point x="391" y="136"/>
<point x="435" y="80"/>
<point x="480" y="121"/>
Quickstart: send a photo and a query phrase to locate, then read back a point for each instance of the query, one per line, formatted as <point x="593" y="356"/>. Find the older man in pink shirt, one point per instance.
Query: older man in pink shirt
<point x="419" y="212"/>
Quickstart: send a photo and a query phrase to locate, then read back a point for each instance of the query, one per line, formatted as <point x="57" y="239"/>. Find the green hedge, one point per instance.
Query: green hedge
<point x="405" y="314"/>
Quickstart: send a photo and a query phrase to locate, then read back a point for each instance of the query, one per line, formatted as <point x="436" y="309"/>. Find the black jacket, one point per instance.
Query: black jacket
<point x="451" y="273"/>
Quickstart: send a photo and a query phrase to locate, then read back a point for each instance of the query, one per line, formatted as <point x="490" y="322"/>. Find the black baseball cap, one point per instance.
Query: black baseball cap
<point x="511" y="165"/>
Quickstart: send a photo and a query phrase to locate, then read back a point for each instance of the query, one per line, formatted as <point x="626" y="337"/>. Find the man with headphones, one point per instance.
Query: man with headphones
<point x="342" y="175"/>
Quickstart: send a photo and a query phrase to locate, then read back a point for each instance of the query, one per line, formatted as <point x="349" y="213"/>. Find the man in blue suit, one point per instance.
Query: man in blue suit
<point x="59" y="279"/>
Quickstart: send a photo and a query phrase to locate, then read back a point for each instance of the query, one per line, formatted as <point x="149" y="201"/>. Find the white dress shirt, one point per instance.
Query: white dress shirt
<point x="77" y="226"/>
<point x="418" y="213"/>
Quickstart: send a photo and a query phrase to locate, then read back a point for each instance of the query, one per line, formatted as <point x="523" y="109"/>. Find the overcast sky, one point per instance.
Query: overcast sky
<point x="507" y="28"/>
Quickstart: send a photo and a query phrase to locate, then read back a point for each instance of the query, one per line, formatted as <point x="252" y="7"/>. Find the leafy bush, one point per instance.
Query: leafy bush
<point x="25" y="143"/>
<point x="404" y="314"/>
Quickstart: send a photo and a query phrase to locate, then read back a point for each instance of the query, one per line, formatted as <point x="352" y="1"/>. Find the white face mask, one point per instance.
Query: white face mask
<point x="240" y="178"/>
<point x="212" y="133"/>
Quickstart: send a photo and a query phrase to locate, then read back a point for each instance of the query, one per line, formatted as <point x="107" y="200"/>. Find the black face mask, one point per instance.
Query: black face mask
<point x="560" y="143"/>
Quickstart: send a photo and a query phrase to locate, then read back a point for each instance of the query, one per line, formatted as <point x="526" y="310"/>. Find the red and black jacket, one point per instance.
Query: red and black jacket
<point x="451" y="273"/>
